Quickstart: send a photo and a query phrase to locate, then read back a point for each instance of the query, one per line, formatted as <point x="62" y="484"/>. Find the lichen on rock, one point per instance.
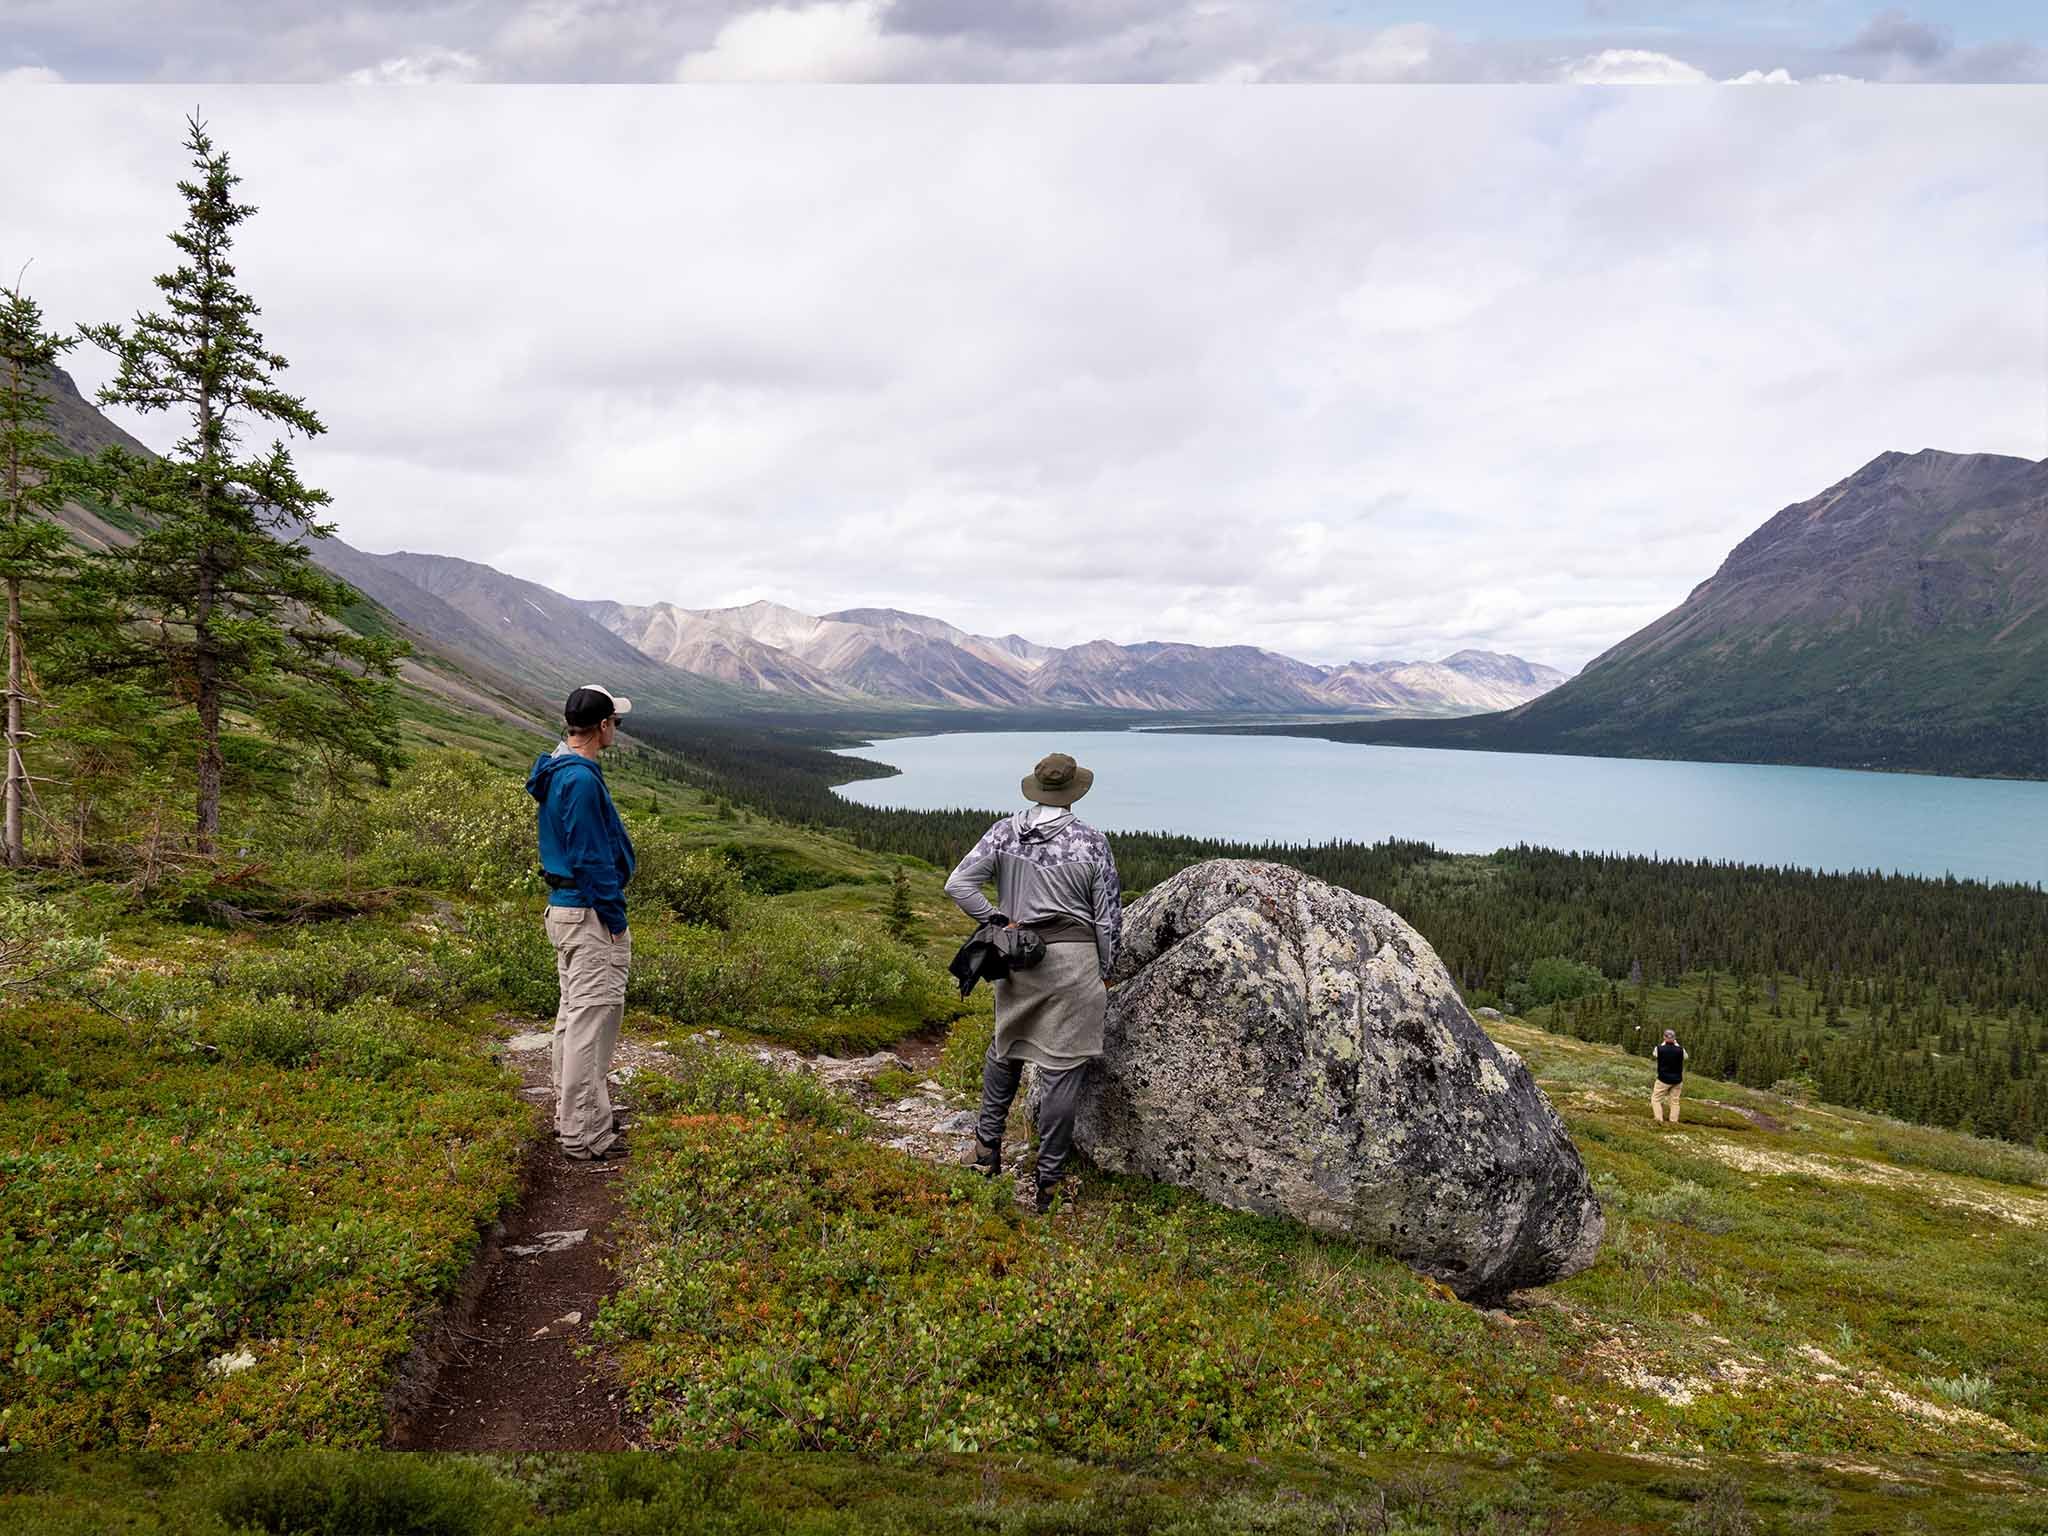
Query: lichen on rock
<point x="1284" y="1046"/>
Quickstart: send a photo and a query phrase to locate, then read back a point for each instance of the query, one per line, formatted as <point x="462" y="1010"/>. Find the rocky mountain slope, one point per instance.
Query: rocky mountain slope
<point x="1899" y="619"/>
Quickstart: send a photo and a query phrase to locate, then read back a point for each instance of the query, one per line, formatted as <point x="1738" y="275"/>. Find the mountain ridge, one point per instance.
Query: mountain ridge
<point x="1898" y="620"/>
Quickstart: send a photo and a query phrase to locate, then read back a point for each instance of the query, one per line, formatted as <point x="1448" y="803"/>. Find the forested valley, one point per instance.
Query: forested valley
<point x="1924" y="999"/>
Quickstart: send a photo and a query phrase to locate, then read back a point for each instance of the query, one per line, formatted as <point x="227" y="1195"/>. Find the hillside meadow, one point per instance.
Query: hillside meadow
<point x="257" y="1118"/>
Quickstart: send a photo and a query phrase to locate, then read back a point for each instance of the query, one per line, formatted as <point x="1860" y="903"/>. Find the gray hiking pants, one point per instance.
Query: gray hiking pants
<point x="591" y="966"/>
<point x="1059" y="1093"/>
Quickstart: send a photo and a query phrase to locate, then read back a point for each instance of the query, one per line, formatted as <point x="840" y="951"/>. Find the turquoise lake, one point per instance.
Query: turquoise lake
<point x="1285" y="789"/>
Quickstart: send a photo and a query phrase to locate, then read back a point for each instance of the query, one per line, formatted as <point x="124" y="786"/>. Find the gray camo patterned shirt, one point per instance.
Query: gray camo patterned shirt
<point x="1059" y="868"/>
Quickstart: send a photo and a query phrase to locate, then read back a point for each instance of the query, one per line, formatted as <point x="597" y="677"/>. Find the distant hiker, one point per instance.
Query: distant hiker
<point x="1670" y="1077"/>
<point x="1054" y="875"/>
<point x="586" y="860"/>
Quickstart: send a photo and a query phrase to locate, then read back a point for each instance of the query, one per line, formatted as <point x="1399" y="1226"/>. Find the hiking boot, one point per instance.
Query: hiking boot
<point x="988" y="1160"/>
<point x="613" y="1151"/>
<point x="1047" y="1193"/>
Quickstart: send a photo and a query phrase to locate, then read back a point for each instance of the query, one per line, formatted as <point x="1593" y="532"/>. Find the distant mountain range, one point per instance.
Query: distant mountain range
<point x="1899" y="619"/>
<point x="868" y="656"/>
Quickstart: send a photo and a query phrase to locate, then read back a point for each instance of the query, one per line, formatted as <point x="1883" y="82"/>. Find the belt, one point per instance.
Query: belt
<point x="558" y="882"/>
<point x="1063" y="930"/>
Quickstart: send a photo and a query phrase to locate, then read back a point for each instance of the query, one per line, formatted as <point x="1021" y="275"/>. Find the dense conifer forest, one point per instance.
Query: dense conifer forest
<point x="1925" y="999"/>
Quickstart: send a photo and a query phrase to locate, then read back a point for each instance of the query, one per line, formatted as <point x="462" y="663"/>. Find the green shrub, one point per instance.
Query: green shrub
<point x="452" y="822"/>
<point x="328" y="969"/>
<point x="1974" y="1156"/>
<point x="1968" y="1390"/>
<point x="370" y="1039"/>
<point x="779" y="970"/>
<point x="307" y="1495"/>
<point x="509" y="957"/>
<point x="1687" y="1204"/>
<point x="724" y="1080"/>
<point x="40" y="953"/>
<point x="275" y="1030"/>
<point x="1554" y="979"/>
<point x="777" y="871"/>
<point x="966" y="1043"/>
<point x="694" y="885"/>
<point x="23" y="1072"/>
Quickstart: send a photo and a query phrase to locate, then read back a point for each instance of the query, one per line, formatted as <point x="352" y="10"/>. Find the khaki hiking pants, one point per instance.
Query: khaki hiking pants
<point x="591" y="966"/>
<point x="1665" y="1096"/>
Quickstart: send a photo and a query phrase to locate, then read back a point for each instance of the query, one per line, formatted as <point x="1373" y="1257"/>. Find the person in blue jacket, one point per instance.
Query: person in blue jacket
<point x="586" y="860"/>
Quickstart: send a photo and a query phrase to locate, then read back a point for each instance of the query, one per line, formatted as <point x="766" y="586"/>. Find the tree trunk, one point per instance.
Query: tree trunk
<point x="206" y="678"/>
<point x="205" y="664"/>
<point x="17" y="772"/>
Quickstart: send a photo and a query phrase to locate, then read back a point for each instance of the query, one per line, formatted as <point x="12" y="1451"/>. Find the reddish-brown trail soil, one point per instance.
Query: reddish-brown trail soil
<point x="508" y="1367"/>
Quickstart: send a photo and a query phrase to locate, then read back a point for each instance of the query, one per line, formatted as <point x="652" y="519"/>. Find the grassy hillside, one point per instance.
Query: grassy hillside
<point x="280" y="1137"/>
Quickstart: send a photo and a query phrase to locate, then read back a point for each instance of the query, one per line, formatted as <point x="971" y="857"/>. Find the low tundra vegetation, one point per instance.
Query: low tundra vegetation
<point x="739" y="1494"/>
<point x="792" y="1287"/>
<point x="222" y="1232"/>
<point x="250" y="1123"/>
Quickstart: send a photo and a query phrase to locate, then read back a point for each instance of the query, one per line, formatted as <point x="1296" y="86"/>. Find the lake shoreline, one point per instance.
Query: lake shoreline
<point x="1253" y="788"/>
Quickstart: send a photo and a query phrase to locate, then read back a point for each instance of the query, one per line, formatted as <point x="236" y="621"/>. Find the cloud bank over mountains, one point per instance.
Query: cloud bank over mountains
<point x="1136" y="41"/>
<point x="1338" y="374"/>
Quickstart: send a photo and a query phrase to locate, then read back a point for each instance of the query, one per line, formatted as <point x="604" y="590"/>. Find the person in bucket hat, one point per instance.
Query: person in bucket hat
<point x="586" y="858"/>
<point x="1053" y="874"/>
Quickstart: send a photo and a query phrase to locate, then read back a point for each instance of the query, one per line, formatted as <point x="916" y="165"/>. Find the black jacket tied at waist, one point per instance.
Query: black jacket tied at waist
<point x="993" y="951"/>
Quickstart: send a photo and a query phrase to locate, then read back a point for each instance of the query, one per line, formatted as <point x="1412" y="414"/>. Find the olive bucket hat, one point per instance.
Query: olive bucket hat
<point x="1057" y="780"/>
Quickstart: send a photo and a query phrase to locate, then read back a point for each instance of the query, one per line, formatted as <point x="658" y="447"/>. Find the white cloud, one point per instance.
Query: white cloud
<point x="1762" y="77"/>
<point x="1394" y="54"/>
<point x="430" y="66"/>
<point x="1246" y="368"/>
<point x="30" y="74"/>
<point x="1138" y="41"/>
<point x="835" y="40"/>
<point x="1631" y="66"/>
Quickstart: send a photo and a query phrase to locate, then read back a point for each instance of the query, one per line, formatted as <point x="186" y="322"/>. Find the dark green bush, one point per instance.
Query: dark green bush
<point x="277" y="1031"/>
<point x="326" y="969"/>
<point x="776" y="871"/>
<point x="1554" y="979"/>
<point x="355" y="1496"/>
<point x="782" y="972"/>
<point x="509" y="957"/>
<point x="694" y="885"/>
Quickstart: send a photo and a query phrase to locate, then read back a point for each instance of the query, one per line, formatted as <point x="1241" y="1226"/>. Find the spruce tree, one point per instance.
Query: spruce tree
<point x="218" y="603"/>
<point x="32" y="546"/>
<point x="902" y="920"/>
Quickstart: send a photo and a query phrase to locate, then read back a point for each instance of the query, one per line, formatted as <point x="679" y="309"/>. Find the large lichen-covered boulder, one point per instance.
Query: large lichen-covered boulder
<point x="1284" y="1046"/>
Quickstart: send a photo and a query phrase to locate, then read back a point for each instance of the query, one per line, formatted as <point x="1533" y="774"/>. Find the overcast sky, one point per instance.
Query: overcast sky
<point x="1007" y="40"/>
<point x="1342" y="373"/>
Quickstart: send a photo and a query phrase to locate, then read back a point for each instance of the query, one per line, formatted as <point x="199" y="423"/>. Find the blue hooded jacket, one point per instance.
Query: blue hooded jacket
<point x="581" y="836"/>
